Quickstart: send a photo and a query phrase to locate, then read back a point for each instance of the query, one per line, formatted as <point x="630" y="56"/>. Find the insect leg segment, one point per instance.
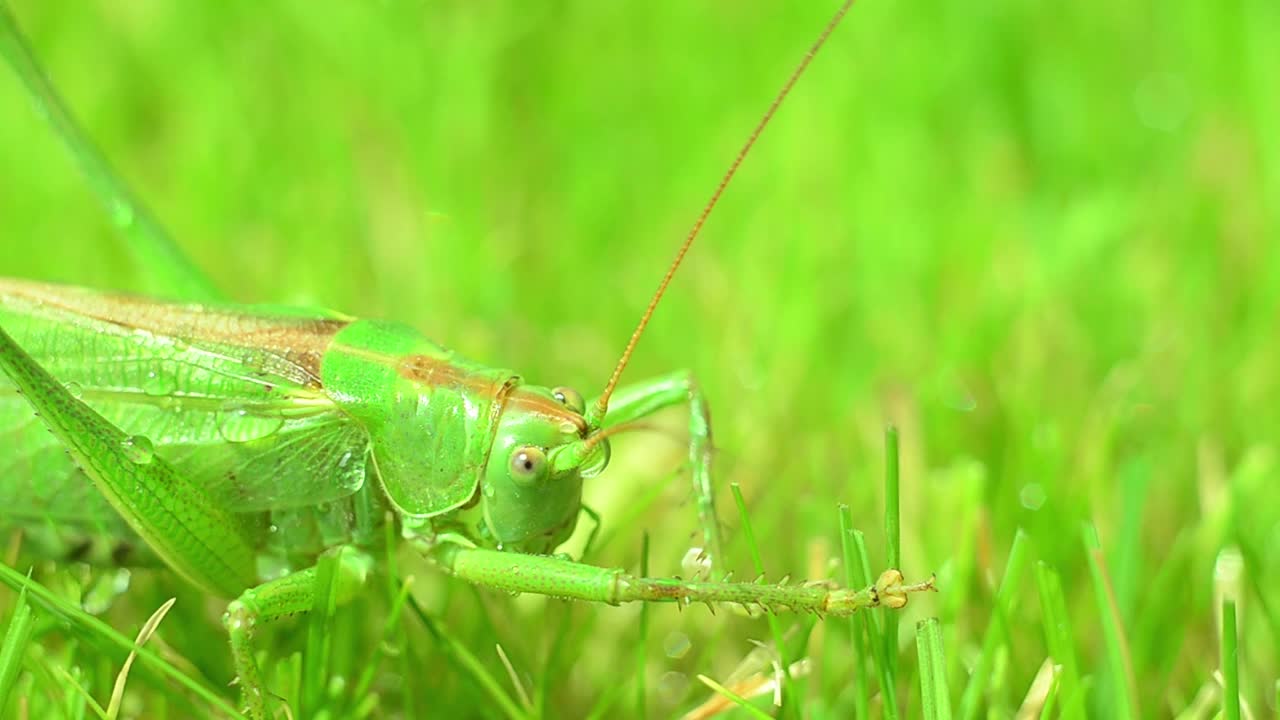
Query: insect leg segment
<point x="638" y="401"/>
<point x="562" y="578"/>
<point x="293" y="594"/>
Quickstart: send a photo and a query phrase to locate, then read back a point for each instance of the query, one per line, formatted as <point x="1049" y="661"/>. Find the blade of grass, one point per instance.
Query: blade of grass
<point x="1058" y="638"/>
<point x="514" y="677"/>
<point x="315" y="658"/>
<point x="148" y="629"/>
<point x="888" y="691"/>
<point x="997" y="629"/>
<point x="934" y="694"/>
<point x="1228" y="585"/>
<point x="775" y="624"/>
<point x="388" y="638"/>
<point x="467" y="663"/>
<point x="1051" y="698"/>
<point x="92" y="627"/>
<point x="737" y="699"/>
<point x="74" y="684"/>
<point x="16" y="638"/>
<point x="857" y="631"/>
<point x="1124" y="686"/>
<point x="893" y="543"/>
<point x="1230" y="663"/>
<point x="642" y="643"/>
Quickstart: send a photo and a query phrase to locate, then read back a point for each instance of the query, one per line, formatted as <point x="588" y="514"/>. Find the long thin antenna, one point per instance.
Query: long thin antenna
<point x="598" y="411"/>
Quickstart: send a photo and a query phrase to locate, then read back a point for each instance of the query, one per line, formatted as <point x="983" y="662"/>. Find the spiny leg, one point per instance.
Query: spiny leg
<point x="281" y="598"/>
<point x="562" y="578"/>
<point x="641" y="400"/>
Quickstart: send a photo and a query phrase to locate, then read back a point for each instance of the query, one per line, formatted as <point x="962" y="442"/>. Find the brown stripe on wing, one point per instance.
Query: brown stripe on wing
<point x="299" y="341"/>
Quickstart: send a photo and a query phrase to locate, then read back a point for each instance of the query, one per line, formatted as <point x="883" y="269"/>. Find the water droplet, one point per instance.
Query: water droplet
<point x="676" y="645"/>
<point x="229" y="424"/>
<point x="74" y="389"/>
<point x="158" y="384"/>
<point x="273" y="528"/>
<point x="237" y="425"/>
<point x="344" y="460"/>
<point x="139" y="449"/>
<point x="488" y="490"/>
<point x="1032" y="496"/>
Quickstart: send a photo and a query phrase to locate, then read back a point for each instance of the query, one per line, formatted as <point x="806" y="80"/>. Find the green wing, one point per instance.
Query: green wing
<point x="229" y="396"/>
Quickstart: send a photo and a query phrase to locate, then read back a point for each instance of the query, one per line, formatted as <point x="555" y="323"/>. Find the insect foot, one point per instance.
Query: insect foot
<point x="888" y="591"/>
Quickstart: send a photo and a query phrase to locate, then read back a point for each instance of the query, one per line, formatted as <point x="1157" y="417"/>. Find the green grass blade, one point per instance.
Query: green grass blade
<point x="642" y="642"/>
<point x="934" y="695"/>
<point x="857" y="630"/>
<point x="85" y="698"/>
<point x="169" y="271"/>
<point x="888" y="691"/>
<point x="1230" y="663"/>
<point x="775" y="624"/>
<point x="997" y="629"/>
<point x="466" y="662"/>
<point x="893" y="541"/>
<point x="737" y="699"/>
<point x="1058" y="638"/>
<point x="16" y="638"/>
<point x="320" y="633"/>
<point x="98" y="630"/>
<point x="1124" y="702"/>
<point x="148" y="629"/>
<point x="390" y="633"/>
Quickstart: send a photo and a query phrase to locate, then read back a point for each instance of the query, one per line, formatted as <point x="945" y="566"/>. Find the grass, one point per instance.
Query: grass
<point x="1040" y="241"/>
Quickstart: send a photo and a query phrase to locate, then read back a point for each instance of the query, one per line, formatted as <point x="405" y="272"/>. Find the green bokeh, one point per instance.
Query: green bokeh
<point x="1041" y="238"/>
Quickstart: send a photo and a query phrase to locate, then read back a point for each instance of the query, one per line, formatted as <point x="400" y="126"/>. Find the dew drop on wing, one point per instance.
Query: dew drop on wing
<point x="138" y="449"/>
<point x="230" y="423"/>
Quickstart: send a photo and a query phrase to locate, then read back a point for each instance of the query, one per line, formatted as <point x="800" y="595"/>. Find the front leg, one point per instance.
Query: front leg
<point x="558" y="577"/>
<point x="281" y="598"/>
<point x="635" y="402"/>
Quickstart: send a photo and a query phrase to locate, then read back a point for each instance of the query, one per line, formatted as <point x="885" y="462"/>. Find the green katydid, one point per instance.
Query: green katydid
<point x="211" y="432"/>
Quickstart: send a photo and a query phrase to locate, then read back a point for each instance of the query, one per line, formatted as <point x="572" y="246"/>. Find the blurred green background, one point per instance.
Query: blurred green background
<point x="1040" y="238"/>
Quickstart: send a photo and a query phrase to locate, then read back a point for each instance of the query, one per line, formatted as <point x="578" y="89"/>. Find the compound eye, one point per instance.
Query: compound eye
<point x="528" y="464"/>
<point x="570" y="398"/>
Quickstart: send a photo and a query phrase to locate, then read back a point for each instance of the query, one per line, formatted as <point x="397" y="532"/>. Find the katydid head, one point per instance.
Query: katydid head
<point x="531" y="492"/>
